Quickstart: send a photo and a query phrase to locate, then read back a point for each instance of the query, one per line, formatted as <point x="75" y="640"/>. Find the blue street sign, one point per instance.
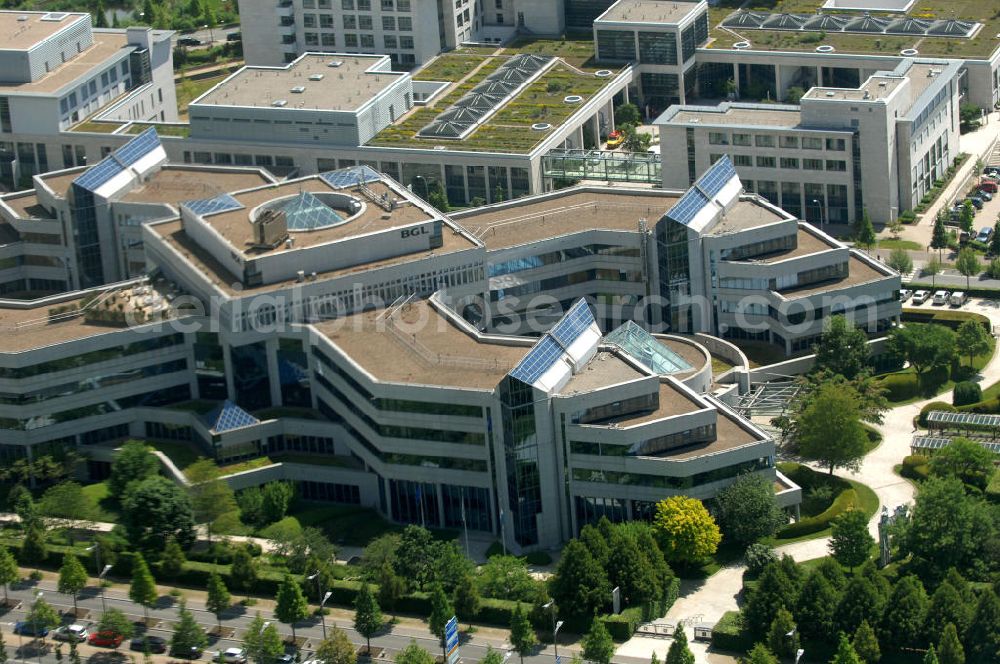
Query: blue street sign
<point x="451" y="634"/>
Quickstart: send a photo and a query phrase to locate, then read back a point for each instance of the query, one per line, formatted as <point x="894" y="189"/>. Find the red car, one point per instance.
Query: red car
<point x="106" y="639"/>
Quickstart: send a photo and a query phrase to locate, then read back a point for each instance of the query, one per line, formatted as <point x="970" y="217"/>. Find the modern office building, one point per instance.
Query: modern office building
<point x="877" y="147"/>
<point x="411" y="32"/>
<point x="56" y="70"/>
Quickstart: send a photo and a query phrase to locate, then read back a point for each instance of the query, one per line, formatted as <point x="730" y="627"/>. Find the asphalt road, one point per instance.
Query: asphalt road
<point x="309" y="632"/>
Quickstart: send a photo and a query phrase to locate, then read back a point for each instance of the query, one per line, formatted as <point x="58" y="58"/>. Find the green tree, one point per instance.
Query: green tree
<point x="261" y="641"/>
<point x="939" y="236"/>
<point x="154" y="510"/>
<point x="905" y="612"/>
<point x="842" y="349"/>
<point x="685" y="529"/>
<point x="134" y="462"/>
<point x="970" y="117"/>
<point x="900" y="261"/>
<point x="946" y="526"/>
<point x="414" y="654"/>
<point x="635" y="140"/>
<point x="276" y="498"/>
<point x="580" y="585"/>
<point x="973" y="339"/>
<point x="218" y="599"/>
<point x="814" y="609"/>
<point x="142" y="590"/>
<point x="188" y="634"/>
<point x="931" y="269"/>
<point x="966" y="217"/>
<point x="679" y="653"/>
<point x="3" y="649"/>
<point x="415" y="556"/>
<point x="243" y="572"/>
<point x="895" y="227"/>
<point x="968" y="265"/>
<point x="522" y="635"/>
<point x="965" y="460"/>
<point x="629" y="570"/>
<point x="596" y="543"/>
<point x="390" y="587"/>
<point x="830" y="430"/>
<point x="774" y="590"/>
<point x="34" y="548"/>
<point x="211" y="498"/>
<point x="860" y="602"/>
<point x="925" y="346"/>
<point x="759" y="654"/>
<point x="598" y="647"/>
<point x="845" y="653"/>
<point x="866" y="643"/>
<point x="653" y="659"/>
<point x="65" y="506"/>
<point x="291" y="606"/>
<point x="336" y="649"/>
<point x="850" y="542"/>
<point x="995" y="239"/>
<point x="172" y="562"/>
<point x="100" y="15"/>
<point x="72" y="577"/>
<point x="41" y="615"/>
<point x="367" y="615"/>
<point x="950" y="650"/>
<point x="438" y="197"/>
<point x="983" y="635"/>
<point x="783" y="635"/>
<point x="491" y="656"/>
<point x="9" y="572"/>
<point x="864" y="232"/>
<point x="466" y="598"/>
<point x="116" y="622"/>
<point x="507" y="577"/>
<point x="441" y="612"/>
<point x="747" y="509"/>
<point x="931" y="656"/>
<point x="627" y="114"/>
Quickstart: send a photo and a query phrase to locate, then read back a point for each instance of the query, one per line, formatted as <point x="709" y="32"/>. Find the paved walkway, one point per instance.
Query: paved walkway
<point x="705" y="600"/>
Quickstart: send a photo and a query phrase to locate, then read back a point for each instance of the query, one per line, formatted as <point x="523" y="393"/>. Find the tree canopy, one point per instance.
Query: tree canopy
<point x="522" y="635"/>
<point x="290" y="606"/>
<point x="336" y="648"/>
<point x="830" y="430"/>
<point x="972" y="339"/>
<point x="367" y="614"/>
<point x="134" y="462"/>
<point x="748" y="510"/>
<point x="598" y="647"/>
<point x="580" y="586"/>
<point x="965" y="460"/>
<point x="842" y="349"/>
<point x="685" y="530"/>
<point x="262" y="641"/>
<point x="924" y="345"/>
<point x="850" y="542"/>
<point x="154" y="510"/>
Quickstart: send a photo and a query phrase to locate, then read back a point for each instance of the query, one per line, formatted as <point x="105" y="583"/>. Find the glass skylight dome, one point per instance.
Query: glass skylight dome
<point x="307" y="211"/>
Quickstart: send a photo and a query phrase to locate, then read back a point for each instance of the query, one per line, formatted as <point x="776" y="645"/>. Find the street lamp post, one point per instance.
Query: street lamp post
<point x="96" y="548"/>
<point x="556" y="625"/>
<point x="819" y="206"/>
<point x="798" y="655"/>
<point x="34" y="624"/>
<point x="322" y="611"/>
<point x="100" y="581"/>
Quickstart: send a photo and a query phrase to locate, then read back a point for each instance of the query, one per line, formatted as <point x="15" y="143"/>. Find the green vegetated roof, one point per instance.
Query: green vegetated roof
<point x="982" y="44"/>
<point x="509" y="129"/>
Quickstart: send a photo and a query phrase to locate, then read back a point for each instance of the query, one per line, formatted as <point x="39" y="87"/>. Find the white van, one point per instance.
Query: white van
<point x="957" y="299"/>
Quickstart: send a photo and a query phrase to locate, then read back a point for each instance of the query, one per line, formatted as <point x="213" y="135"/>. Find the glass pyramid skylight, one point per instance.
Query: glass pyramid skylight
<point x="227" y="416"/>
<point x="305" y="212"/>
<point x="641" y="345"/>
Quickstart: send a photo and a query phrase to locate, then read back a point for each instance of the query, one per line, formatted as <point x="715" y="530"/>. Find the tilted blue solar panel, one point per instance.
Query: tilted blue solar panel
<point x="138" y="147"/>
<point x="685" y="210"/>
<point x="715" y="178"/>
<point x="220" y="203"/>
<point x="571" y="326"/>
<point x="538" y="360"/>
<point x="228" y="416"/>
<point x="350" y="177"/>
<point x="99" y="174"/>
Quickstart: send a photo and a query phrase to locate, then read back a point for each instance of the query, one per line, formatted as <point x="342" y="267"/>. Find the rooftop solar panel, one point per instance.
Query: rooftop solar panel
<point x="539" y="359"/>
<point x="99" y="174"/>
<point x="219" y="203"/>
<point x="571" y="326"/>
<point x="137" y="148"/>
<point x="963" y="419"/>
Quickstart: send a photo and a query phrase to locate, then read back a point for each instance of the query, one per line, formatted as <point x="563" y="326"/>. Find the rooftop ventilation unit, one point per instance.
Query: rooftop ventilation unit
<point x="316" y="77"/>
<point x="299" y="89"/>
<point x="279" y="102"/>
<point x="22" y="18"/>
<point x="335" y="63"/>
<point x="270" y="229"/>
<point x="55" y="17"/>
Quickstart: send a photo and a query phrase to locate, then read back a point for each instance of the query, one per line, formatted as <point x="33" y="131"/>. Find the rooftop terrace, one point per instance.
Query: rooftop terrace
<point x="649" y="11"/>
<point x="343" y="87"/>
<point x="509" y="129"/>
<point x="983" y="43"/>
<point x="859" y="272"/>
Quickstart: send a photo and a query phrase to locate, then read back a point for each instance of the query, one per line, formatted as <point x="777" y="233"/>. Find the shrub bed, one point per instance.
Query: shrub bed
<point x="950" y="319"/>
<point x="900" y="386"/>
<point x="813" y="524"/>
<point x="934" y="405"/>
<point x="728" y="634"/>
<point x="914" y="467"/>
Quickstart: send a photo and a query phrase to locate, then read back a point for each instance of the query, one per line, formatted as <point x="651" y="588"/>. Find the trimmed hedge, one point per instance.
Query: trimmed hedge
<point x="813" y="524"/>
<point x="967" y="393"/>
<point x="934" y="405"/>
<point x="915" y="467"/>
<point x="900" y="386"/>
<point x="948" y="318"/>
<point x="623" y="626"/>
<point x="728" y="634"/>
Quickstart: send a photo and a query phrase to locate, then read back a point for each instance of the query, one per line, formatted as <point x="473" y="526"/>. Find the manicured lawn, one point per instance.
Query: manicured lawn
<point x="242" y="466"/>
<point x="909" y="245"/>
<point x="934" y="382"/>
<point x="182" y="454"/>
<point x="349" y="525"/>
<point x="105" y="509"/>
<point x="760" y="353"/>
<point x="578" y="51"/>
<point x="720" y="365"/>
<point x="98" y="127"/>
<point x="182" y="131"/>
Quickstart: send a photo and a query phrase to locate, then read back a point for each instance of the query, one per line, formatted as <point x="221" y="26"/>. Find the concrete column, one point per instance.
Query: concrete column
<point x="819" y="76"/>
<point x="227" y="361"/>
<point x="779" y="92"/>
<point x="273" y="375"/>
<point x="736" y="78"/>
<point x="440" y="502"/>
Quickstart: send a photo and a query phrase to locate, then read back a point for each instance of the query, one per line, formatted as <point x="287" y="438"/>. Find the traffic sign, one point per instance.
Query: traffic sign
<point x="451" y="640"/>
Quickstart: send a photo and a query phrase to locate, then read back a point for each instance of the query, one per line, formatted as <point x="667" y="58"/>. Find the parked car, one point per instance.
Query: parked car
<point x="988" y="185"/>
<point x="72" y="632"/>
<point x="615" y="139"/>
<point x="106" y="639"/>
<point x="921" y="296"/>
<point x="957" y="299"/>
<point x="25" y="628"/>
<point x="984" y="234"/>
<point x="234" y="656"/>
<point x="940" y="298"/>
<point x="905" y="294"/>
<point x="992" y="170"/>
<point x="985" y="195"/>
<point x="976" y="202"/>
<point x="189" y="41"/>
<point x="284" y="658"/>
<point x="189" y="653"/>
<point x="154" y="644"/>
<point x="234" y="36"/>
<point x="964" y="237"/>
